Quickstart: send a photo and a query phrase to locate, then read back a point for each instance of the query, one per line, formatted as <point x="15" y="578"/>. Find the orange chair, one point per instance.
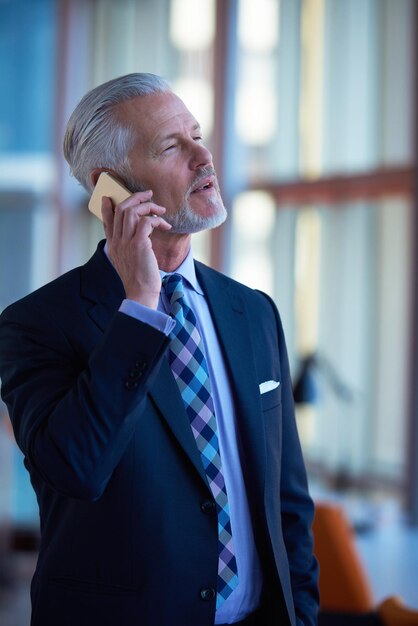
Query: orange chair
<point x="346" y="595"/>
<point x="393" y="612"/>
<point x="343" y="584"/>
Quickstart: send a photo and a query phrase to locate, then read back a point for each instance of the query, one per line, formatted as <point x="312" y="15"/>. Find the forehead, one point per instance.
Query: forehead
<point x="156" y="115"/>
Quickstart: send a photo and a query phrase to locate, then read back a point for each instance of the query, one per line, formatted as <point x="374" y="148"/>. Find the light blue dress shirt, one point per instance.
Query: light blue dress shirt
<point x="246" y="597"/>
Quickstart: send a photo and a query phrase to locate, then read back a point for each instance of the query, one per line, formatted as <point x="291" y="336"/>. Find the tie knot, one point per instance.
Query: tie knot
<point x="173" y="285"/>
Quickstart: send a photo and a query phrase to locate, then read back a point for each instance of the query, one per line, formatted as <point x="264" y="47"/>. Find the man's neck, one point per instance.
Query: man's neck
<point x="170" y="249"/>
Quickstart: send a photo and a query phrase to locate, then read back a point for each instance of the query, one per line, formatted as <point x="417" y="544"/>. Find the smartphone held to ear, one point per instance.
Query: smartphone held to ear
<point x="107" y="186"/>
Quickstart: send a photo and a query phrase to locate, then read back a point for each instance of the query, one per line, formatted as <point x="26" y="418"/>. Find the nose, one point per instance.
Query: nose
<point x="201" y="156"/>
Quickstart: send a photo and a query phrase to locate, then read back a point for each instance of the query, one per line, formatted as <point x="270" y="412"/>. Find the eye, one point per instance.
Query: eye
<point x="198" y="138"/>
<point x="170" y="147"/>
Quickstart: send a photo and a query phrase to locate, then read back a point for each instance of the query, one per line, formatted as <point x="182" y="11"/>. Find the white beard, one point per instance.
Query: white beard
<point x="185" y="221"/>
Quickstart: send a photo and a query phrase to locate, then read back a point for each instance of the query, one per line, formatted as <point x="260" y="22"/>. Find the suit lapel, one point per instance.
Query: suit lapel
<point x="234" y="332"/>
<point x="166" y="396"/>
<point x="233" y="329"/>
<point x="101" y="284"/>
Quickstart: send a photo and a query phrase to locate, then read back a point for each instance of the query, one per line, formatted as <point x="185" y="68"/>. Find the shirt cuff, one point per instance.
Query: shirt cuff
<point x="157" y="319"/>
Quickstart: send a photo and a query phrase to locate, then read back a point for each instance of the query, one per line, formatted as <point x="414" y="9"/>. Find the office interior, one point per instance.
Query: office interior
<point x="310" y="110"/>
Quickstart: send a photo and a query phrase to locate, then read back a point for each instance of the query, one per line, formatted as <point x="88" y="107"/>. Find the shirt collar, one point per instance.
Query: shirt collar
<point x="188" y="272"/>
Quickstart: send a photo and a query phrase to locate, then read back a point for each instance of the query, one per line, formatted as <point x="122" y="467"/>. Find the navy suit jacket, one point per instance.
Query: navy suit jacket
<point x="97" y="413"/>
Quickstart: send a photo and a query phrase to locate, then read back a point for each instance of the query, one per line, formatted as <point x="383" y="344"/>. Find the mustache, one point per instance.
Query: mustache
<point x="208" y="170"/>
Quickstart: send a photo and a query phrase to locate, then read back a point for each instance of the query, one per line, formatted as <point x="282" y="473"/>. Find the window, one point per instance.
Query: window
<point x="325" y="142"/>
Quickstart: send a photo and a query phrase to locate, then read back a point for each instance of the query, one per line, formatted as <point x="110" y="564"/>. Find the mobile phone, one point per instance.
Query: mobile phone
<point x="107" y="186"/>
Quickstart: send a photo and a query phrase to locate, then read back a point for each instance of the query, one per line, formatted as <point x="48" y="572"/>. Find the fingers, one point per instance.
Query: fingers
<point x="128" y="227"/>
<point x="135" y="215"/>
<point x="138" y="198"/>
<point x="131" y="225"/>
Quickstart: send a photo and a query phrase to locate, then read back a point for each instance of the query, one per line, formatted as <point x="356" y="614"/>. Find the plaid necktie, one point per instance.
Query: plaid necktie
<point x="188" y="364"/>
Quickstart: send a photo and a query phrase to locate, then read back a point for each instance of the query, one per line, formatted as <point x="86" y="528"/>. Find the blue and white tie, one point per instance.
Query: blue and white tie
<point x="188" y="364"/>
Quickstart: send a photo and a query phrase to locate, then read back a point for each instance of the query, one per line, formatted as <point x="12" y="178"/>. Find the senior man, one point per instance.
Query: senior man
<point x="152" y="400"/>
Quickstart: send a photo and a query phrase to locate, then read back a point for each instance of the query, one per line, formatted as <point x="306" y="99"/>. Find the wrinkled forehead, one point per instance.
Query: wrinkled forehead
<point x="156" y="115"/>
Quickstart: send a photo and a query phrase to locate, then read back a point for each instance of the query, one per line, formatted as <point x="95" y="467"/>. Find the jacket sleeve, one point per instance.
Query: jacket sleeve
<point x="73" y="418"/>
<point x="297" y="507"/>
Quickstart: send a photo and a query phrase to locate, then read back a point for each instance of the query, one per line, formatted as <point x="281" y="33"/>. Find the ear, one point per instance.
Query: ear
<point x="94" y="174"/>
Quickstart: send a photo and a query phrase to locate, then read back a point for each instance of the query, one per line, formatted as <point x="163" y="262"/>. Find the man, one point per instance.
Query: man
<point x="153" y="511"/>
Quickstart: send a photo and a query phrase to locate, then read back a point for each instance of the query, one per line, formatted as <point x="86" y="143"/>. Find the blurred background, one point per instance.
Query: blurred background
<point x="310" y="110"/>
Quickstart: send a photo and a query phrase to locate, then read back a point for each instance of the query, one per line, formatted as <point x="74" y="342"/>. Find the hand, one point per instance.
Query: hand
<point x="128" y="227"/>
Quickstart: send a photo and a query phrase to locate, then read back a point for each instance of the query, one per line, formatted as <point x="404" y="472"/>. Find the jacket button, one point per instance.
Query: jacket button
<point x="134" y="373"/>
<point x="131" y="384"/>
<point x="208" y="593"/>
<point x="208" y="507"/>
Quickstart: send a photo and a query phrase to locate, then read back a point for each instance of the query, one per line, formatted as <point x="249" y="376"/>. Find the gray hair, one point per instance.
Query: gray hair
<point x="96" y="137"/>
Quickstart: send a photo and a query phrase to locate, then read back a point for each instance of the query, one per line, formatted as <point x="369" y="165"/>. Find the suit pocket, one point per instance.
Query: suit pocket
<point x="74" y="602"/>
<point x="272" y="398"/>
<point x="89" y="587"/>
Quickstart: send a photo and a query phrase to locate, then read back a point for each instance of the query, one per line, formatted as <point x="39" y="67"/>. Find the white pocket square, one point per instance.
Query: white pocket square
<point x="269" y="385"/>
